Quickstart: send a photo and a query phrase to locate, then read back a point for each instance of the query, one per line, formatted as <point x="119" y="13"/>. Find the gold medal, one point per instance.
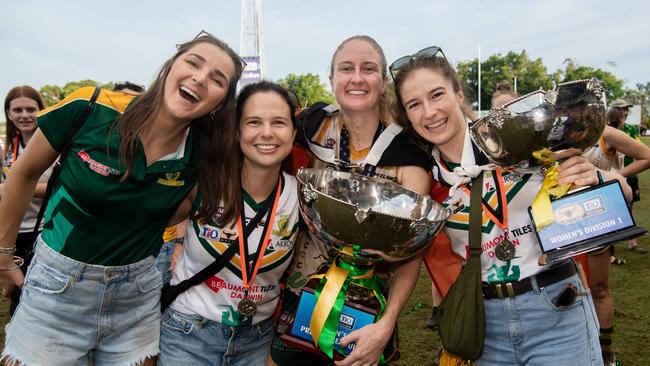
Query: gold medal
<point x="505" y="250"/>
<point x="247" y="307"/>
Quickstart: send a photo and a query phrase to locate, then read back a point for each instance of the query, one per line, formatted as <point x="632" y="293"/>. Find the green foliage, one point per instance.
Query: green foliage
<point x="573" y="71"/>
<point x="308" y="88"/>
<point x="530" y="74"/>
<point x="53" y="94"/>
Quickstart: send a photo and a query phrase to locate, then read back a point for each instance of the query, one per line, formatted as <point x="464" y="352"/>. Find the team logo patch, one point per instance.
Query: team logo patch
<point x="96" y="166"/>
<point x="283" y="227"/>
<point x="171" y="179"/>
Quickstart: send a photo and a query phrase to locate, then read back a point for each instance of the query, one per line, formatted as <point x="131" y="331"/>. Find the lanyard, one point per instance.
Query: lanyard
<point x="16" y="145"/>
<point x="499" y="218"/>
<point x="344" y="145"/>
<point x="249" y="273"/>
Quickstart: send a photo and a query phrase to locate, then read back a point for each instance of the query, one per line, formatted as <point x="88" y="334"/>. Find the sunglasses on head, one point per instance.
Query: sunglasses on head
<point x="129" y="85"/>
<point x="433" y="51"/>
<point x="204" y="33"/>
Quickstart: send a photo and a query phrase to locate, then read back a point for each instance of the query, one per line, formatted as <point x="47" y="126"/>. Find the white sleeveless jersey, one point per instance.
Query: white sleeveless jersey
<point x="521" y="187"/>
<point x="217" y="298"/>
<point x="29" y="220"/>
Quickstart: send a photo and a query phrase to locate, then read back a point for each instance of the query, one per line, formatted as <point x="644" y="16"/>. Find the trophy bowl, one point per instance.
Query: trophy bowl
<point x="381" y="218"/>
<point x="572" y="115"/>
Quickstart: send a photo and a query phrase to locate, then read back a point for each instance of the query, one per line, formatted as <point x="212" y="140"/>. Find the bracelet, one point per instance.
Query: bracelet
<point x="179" y="241"/>
<point x="18" y="261"/>
<point x="5" y="250"/>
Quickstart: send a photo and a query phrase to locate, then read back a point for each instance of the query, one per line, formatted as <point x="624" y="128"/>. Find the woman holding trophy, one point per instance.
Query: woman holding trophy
<point x="545" y="314"/>
<point x="357" y="137"/>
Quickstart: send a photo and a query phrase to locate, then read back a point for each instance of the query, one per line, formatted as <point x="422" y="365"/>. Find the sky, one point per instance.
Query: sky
<point x="54" y="42"/>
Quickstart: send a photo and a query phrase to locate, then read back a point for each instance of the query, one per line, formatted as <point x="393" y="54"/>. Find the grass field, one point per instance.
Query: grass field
<point x="630" y="284"/>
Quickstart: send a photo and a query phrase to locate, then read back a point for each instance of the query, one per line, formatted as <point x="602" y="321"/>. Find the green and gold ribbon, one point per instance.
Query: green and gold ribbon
<point x="541" y="207"/>
<point x="330" y="297"/>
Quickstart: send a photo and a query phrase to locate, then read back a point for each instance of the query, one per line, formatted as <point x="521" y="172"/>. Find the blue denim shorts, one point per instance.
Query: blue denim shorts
<point x="71" y="312"/>
<point x="164" y="261"/>
<point x="530" y="330"/>
<point x="193" y="340"/>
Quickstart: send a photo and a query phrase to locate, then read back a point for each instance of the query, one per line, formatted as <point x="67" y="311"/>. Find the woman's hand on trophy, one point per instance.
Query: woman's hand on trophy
<point x="575" y="168"/>
<point x="370" y="343"/>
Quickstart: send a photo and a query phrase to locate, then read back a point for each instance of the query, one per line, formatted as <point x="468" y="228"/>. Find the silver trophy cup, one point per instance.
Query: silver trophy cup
<point x="572" y="115"/>
<point x="383" y="219"/>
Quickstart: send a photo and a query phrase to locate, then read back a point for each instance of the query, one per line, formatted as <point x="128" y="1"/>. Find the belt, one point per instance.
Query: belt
<point x="512" y="289"/>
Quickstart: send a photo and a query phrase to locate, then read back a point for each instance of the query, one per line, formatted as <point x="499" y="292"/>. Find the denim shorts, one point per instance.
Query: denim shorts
<point x="164" y="261"/>
<point x="193" y="340"/>
<point x="530" y="330"/>
<point x="71" y="313"/>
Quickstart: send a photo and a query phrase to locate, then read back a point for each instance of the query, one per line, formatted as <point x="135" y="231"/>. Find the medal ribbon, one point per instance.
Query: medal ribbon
<point x="330" y="298"/>
<point x="541" y="207"/>
<point x="264" y="243"/>
<point x="344" y="144"/>
<point x="501" y="202"/>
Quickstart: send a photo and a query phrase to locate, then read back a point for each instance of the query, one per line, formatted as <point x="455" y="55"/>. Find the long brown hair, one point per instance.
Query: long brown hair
<point x="384" y="98"/>
<point x="215" y="133"/>
<point x="17" y="92"/>
<point x="615" y="118"/>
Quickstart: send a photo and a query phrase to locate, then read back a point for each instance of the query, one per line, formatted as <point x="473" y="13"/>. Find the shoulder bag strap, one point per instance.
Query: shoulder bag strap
<point x="475" y="218"/>
<point x="56" y="170"/>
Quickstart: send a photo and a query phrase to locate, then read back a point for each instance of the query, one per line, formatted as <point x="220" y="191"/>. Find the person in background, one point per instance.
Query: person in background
<point x="606" y="155"/>
<point x="128" y="87"/>
<point x="503" y="94"/>
<point x="22" y="103"/>
<point x="633" y="179"/>
<point x="92" y="293"/>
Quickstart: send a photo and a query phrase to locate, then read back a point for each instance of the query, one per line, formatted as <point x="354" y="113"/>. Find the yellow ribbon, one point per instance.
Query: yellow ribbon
<point x="541" y="207"/>
<point x="336" y="277"/>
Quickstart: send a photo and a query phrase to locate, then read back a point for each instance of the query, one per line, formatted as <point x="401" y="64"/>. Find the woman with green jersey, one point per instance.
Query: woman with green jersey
<point x="92" y="292"/>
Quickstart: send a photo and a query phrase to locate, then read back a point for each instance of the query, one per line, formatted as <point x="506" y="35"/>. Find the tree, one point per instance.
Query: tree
<point x="308" y="88"/>
<point x="572" y="71"/>
<point x="530" y="74"/>
<point x="53" y="94"/>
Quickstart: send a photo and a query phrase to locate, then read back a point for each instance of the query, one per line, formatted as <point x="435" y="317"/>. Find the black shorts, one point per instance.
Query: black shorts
<point x="634" y="184"/>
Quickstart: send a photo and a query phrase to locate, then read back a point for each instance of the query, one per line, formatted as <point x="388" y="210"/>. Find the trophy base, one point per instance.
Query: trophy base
<point x="585" y="221"/>
<point x="360" y="308"/>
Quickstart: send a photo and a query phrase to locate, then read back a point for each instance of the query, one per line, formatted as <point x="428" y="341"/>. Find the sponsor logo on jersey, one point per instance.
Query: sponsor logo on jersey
<point x="96" y="166"/>
<point x="513" y="177"/>
<point x="330" y="143"/>
<point x="228" y="236"/>
<point x="171" y="179"/>
<point x="209" y="232"/>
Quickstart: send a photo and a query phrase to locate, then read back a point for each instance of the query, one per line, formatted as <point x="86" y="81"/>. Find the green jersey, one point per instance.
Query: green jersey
<point x="633" y="132"/>
<point x="94" y="218"/>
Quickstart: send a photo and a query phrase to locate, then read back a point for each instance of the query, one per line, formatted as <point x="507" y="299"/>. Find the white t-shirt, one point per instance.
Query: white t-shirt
<point x="217" y="298"/>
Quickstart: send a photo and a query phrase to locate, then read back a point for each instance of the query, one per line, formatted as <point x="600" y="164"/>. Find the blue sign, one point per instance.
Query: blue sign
<point x="585" y="215"/>
<point x="351" y="319"/>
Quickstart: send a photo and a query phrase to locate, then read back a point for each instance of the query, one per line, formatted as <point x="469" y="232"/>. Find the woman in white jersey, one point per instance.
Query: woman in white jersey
<point x="607" y="155"/>
<point x="526" y="325"/>
<point x="21" y="105"/>
<point x="207" y="324"/>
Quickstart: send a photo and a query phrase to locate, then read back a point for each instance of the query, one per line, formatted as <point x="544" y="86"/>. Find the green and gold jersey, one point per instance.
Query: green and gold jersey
<point x="92" y="217"/>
